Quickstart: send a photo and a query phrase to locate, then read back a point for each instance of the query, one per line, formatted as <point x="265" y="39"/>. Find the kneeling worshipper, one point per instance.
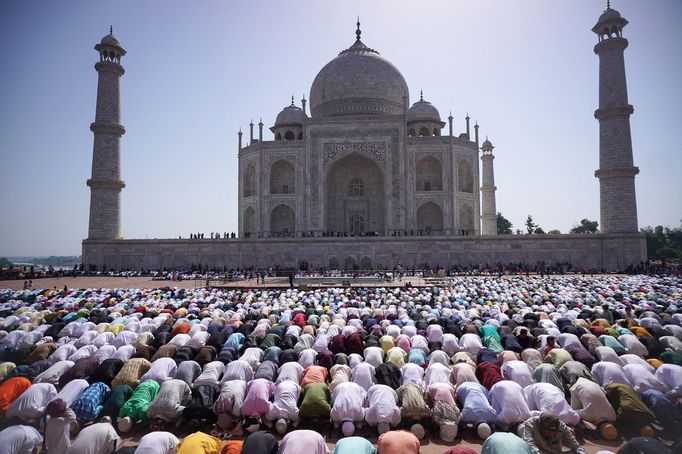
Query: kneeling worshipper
<point x="382" y="408"/>
<point x="315" y="402"/>
<point x="227" y="407"/>
<point x="303" y="441"/>
<point x="199" y="443"/>
<point x="200" y="409"/>
<point x="507" y="398"/>
<point x="10" y="390"/>
<point x="30" y="405"/>
<point x="398" y="442"/>
<point x="546" y="434"/>
<point x="347" y="407"/>
<point x="20" y="440"/>
<point x="90" y="403"/>
<point x="644" y="445"/>
<point x="632" y="415"/>
<point x="590" y="402"/>
<point x="112" y="406"/>
<point x="260" y="442"/>
<point x="58" y="421"/>
<point x="476" y="408"/>
<point x="413" y="408"/>
<point x="441" y="397"/>
<point x="135" y="408"/>
<point x="546" y="398"/>
<point x="167" y="406"/>
<point x="505" y="443"/>
<point x="284" y="409"/>
<point x="257" y="402"/>
<point x="353" y="445"/>
<point x="157" y="443"/>
<point x="100" y="438"/>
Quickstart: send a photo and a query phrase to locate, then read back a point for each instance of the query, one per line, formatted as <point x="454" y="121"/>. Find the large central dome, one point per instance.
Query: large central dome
<point x="358" y="82"/>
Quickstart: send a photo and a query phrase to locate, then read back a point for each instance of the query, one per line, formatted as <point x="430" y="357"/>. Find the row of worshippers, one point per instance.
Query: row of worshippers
<point x="382" y="344"/>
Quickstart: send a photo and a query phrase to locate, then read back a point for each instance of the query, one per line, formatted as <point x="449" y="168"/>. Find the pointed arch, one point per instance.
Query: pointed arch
<point x="466" y="218"/>
<point x="282" y="178"/>
<point x="429" y="174"/>
<point x="282" y="221"/>
<point x="249" y="188"/>
<point x="465" y="176"/>
<point x="430" y="219"/>
<point x="249" y="223"/>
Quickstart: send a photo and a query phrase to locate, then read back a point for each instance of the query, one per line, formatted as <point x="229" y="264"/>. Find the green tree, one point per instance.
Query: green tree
<point x="530" y="225"/>
<point x="538" y="231"/>
<point x="585" y="226"/>
<point x="663" y="242"/>
<point x="504" y="227"/>
<point x="554" y="232"/>
<point x="4" y="262"/>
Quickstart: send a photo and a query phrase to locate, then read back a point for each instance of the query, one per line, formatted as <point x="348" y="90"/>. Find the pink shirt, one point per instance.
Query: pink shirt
<point x="258" y="394"/>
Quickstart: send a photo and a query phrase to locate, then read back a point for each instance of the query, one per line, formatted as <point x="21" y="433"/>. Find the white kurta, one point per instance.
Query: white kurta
<point x="347" y="403"/>
<point x="519" y="372"/>
<point x="163" y="369"/>
<point x="545" y="397"/>
<point x="285" y="403"/>
<point x="508" y="400"/>
<point x="642" y="379"/>
<point x="590" y="402"/>
<point x="382" y="406"/>
<point x="31" y="403"/>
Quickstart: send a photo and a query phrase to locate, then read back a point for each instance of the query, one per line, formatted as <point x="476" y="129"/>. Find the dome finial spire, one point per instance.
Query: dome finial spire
<point x="292" y="99"/>
<point x="111" y="29"/>
<point x="357" y="31"/>
<point x="608" y="4"/>
<point x="421" y="95"/>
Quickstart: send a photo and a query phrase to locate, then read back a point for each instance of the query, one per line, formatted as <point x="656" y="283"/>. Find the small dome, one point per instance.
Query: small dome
<point x="291" y="115"/>
<point x="423" y="111"/>
<point x="487" y="145"/>
<point x="609" y="15"/>
<point x="110" y="40"/>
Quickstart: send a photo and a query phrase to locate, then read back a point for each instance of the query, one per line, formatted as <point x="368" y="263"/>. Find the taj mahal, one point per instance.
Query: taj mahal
<point x="367" y="179"/>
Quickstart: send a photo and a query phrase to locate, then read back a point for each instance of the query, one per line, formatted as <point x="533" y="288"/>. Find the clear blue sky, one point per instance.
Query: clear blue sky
<point x="197" y="71"/>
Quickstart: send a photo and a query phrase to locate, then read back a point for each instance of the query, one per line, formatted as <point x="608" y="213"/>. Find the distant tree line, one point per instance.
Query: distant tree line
<point x="663" y="243"/>
<point x="4" y="263"/>
<point x="505" y="227"/>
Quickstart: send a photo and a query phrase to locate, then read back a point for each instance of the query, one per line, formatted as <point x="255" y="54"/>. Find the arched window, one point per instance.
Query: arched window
<point x="430" y="219"/>
<point x="249" y="223"/>
<point x="333" y="263"/>
<point x="412" y="133"/>
<point x="357" y="224"/>
<point x="282" y="221"/>
<point x="300" y="136"/>
<point x="249" y="181"/>
<point x="366" y="263"/>
<point x="436" y="132"/>
<point x="429" y="174"/>
<point x="356" y="188"/>
<point x="466" y="218"/>
<point x="289" y="136"/>
<point x="349" y="263"/>
<point x="282" y="178"/>
<point x="424" y="132"/>
<point x="465" y="176"/>
<point x="278" y="136"/>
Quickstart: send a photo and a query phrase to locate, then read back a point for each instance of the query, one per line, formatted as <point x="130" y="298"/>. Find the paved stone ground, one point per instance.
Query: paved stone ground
<point x="148" y="282"/>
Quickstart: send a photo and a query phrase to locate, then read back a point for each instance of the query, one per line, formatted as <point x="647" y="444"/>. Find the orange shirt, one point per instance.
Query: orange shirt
<point x="12" y="389"/>
<point x="314" y="374"/>
<point x="232" y="447"/>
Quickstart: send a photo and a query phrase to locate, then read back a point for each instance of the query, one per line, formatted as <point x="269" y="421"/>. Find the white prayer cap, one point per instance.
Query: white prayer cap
<point x="124" y="424"/>
<point x="347" y="428"/>
<point x="448" y="431"/>
<point x="483" y="431"/>
<point x="281" y="426"/>
<point x="418" y="431"/>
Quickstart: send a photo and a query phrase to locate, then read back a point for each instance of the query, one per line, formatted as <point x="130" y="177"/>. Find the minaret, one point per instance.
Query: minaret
<point x="488" y="209"/>
<point x="105" y="183"/>
<point x="616" y="173"/>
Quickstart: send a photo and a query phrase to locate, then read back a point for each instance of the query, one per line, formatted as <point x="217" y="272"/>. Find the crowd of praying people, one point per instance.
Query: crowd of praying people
<point x="525" y="364"/>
